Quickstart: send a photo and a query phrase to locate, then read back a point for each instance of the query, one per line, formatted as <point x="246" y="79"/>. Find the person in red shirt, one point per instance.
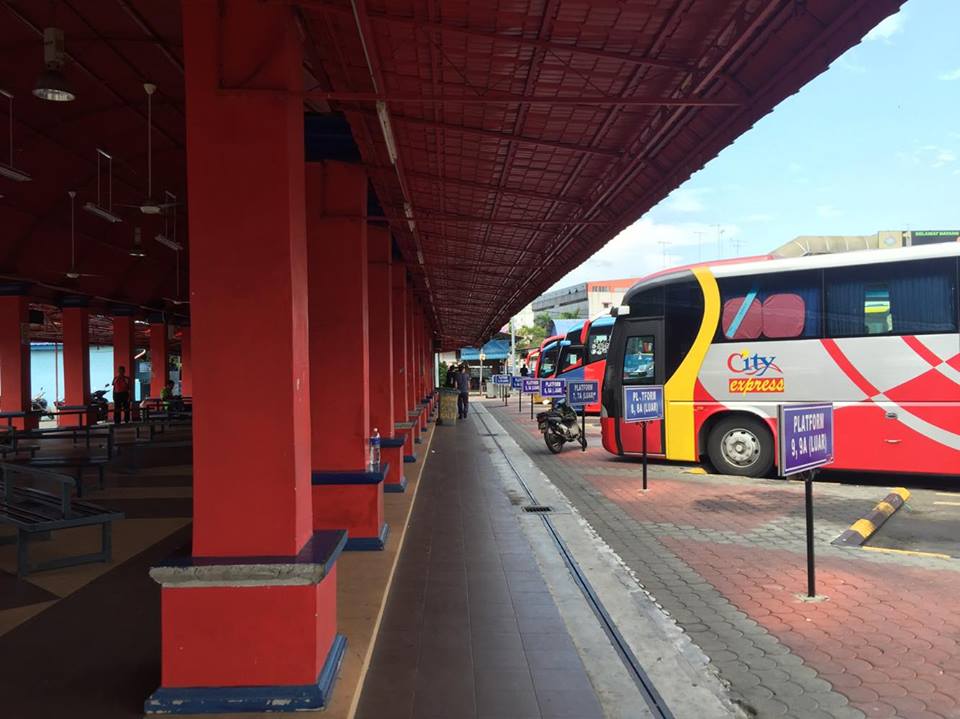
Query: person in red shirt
<point x="121" y="395"/>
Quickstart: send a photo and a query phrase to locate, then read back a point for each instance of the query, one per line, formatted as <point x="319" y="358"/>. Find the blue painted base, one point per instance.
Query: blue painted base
<point x="409" y="458"/>
<point x="369" y="544"/>
<point x="351" y="477"/>
<point x="220" y="700"/>
<point x="396" y="488"/>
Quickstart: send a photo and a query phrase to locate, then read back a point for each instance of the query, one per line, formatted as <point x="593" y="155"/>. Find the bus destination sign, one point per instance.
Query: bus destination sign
<point x="806" y="437"/>
<point x="642" y="404"/>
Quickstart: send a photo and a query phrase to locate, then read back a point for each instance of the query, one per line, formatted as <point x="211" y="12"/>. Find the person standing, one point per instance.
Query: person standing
<point x="121" y="395"/>
<point x="523" y="370"/>
<point x="463" y="387"/>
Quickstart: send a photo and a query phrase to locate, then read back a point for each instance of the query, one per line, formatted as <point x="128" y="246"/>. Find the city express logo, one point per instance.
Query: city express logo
<point x="756" y="373"/>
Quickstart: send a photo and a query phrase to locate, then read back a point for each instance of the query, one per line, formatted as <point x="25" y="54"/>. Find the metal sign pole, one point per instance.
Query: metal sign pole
<point x="811" y="562"/>
<point x="643" y="430"/>
<point x="531" y="406"/>
<point x="520" y="400"/>
<point x="583" y="428"/>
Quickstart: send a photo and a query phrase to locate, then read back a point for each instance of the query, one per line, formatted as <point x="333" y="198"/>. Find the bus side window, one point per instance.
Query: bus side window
<point x="638" y="360"/>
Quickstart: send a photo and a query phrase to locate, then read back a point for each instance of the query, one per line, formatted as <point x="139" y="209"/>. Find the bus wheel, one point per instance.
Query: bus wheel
<point x="741" y="445"/>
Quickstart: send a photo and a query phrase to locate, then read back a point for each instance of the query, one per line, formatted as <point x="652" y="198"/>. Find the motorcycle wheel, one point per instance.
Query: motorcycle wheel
<point x="553" y="441"/>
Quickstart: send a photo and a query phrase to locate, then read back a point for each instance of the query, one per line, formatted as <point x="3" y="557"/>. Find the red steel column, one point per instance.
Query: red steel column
<point x="401" y="388"/>
<point x="186" y="362"/>
<point x="159" y="357"/>
<point x="15" y="358"/>
<point x="380" y="293"/>
<point x="255" y="606"/>
<point x="123" y="346"/>
<point x="413" y="400"/>
<point x="76" y="361"/>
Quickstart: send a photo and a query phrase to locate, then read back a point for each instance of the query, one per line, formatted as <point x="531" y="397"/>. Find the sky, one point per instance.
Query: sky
<point x="871" y="144"/>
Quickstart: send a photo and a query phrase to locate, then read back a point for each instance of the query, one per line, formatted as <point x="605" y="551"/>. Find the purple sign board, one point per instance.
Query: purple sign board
<point x="806" y="437"/>
<point x="501" y="379"/>
<point x="553" y="388"/>
<point x="531" y="386"/>
<point x="583" y="392"/>
<point x="515" y="381"/>
<point x="643" y="403"/>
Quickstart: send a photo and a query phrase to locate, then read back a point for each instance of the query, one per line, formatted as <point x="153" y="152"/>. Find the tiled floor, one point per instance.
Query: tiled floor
<point x="470" y="629"/>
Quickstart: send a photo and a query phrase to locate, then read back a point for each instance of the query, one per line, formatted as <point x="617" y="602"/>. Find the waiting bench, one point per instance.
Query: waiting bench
<point x="35" y="513"/>
<point x="76" y="463"/>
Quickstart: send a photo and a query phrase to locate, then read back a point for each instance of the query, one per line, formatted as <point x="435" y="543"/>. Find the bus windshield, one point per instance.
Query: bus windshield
<point x="548" y="360"/>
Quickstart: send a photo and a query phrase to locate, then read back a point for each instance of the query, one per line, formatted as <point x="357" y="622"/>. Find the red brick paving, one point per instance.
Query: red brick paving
<point x="888" y="637"/>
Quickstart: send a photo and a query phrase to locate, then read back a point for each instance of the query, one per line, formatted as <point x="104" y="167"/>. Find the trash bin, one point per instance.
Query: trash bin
<point x="491" y="392"/>
<point x="448" y="406"/>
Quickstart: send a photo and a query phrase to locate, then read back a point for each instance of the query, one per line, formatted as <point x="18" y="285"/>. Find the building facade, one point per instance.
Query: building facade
<point x="587" y="299"/>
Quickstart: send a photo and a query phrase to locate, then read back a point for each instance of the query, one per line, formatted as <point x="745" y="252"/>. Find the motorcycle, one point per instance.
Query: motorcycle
<point x="560" y="424"/>
<point x="98" y="402"/>
<point x="39" y="405"/>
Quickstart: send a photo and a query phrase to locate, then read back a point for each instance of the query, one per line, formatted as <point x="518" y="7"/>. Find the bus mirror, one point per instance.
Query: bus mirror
<point x="621" y="311"/>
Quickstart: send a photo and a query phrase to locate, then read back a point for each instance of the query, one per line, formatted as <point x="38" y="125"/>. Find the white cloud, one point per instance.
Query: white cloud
<point x="828" y="211"/>
<point x="687" y="200"/>
<point x="639" y="250"/>
<point x="943" y="157"/>
<point x="952" y="75"/>
<point x="887" y="28"/>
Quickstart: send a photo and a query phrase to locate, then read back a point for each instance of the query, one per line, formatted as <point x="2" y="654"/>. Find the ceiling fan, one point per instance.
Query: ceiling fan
<point x="72" y="273"/>
<point x="150" y="206"/>
<point x="178" y="300"/>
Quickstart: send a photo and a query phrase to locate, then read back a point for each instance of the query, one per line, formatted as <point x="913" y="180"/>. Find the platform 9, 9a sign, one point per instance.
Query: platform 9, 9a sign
<point x="806" y="437"/>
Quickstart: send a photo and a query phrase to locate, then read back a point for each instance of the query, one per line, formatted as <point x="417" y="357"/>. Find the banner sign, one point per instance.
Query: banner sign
<point x="642" y="404"/>
<point x="583" y="392"/>
<point x="806" y="437"/>
<point x="550" y="388"/>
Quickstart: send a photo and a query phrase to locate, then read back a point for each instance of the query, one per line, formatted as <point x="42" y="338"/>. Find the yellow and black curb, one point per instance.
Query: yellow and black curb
<point x="861" y="530"/>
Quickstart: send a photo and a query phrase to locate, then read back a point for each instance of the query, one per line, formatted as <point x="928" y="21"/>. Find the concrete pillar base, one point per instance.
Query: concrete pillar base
<point x="352" y="501"/>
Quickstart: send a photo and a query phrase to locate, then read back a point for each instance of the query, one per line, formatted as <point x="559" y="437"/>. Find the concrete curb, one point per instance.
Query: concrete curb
<point x="861" y="530"/>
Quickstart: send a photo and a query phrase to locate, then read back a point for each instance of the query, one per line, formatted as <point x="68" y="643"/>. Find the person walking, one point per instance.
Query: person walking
<point x="523" y="370"/>
<point x="463" y="387"/>
<point x="121" y="395"/>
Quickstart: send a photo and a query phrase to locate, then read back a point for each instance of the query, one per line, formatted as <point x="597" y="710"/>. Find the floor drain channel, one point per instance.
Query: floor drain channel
<point x="538" y="508"/>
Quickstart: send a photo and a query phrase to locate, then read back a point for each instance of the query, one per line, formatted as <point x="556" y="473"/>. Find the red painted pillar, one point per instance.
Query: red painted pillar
<point x="401" y="386"/>
<point x="186" y="362"/>
<point x="255" y="605"/>
<point x="413" y="399"/>
<point x="159" y="357"/>
<point x="380" y="292"/>
<point x="76" y="362"/>
<point x="15" y="358"/>
<point x="345" y="494"/>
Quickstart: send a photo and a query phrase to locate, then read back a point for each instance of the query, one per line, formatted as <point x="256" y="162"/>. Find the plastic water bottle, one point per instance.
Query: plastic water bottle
<point x="375" y="451"/>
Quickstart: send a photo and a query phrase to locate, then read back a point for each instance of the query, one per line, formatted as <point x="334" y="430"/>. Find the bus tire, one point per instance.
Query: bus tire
<point x="741" y="445"/>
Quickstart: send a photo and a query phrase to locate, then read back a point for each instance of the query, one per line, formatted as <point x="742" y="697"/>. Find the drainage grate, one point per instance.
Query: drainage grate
<point x="538" y="508"/>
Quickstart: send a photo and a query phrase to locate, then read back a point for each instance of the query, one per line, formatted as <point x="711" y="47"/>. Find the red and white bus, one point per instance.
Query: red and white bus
<point x="585" y="357"/>
<point x="875" y="332"/>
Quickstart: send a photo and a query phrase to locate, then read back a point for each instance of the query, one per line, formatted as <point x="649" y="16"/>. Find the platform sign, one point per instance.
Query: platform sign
<point x="515" y="381"/>
<point x="806" y="437"/>
<point x="531" y="386"/>
<point x="501" y="379"/>
<point x="643" y="404"/>
<point x="582" y="392"/>
<point x="551" y="388"/>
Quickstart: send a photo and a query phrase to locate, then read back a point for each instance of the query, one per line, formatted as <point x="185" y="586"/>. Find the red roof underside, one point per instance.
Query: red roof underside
<point x="517" y="164"/>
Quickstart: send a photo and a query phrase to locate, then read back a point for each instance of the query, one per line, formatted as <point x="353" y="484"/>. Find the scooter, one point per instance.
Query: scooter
<point x="560" y="424"/>
<point x="98" y="402"/>
<point x="39" y="405"/>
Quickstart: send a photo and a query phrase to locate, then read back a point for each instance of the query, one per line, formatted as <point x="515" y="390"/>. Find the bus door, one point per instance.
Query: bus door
<point x="642" y="350"/>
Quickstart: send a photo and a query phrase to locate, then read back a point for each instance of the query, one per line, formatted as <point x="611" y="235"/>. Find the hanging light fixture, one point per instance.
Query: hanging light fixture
<point x="137" y="250"/>
<point x="52" y="84"/>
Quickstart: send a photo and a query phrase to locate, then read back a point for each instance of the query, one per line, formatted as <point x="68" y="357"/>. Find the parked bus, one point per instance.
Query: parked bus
<point x="549" y="354"/>
<point x="874" y="332"/>
<point x="585" y="358"/>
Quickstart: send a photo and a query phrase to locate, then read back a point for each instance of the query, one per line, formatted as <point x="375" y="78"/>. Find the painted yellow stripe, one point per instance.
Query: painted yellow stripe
<point x="902" y="491"/>
<point x="863" y="527"/>
<point x="695" y="470"/>
<point x="678" y="392"/>
<point x="909" y="552"/>
<point x="886" y="508"/>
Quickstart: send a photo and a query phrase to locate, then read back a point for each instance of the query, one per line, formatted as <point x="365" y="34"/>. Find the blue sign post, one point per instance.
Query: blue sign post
<point x="805" y="443"/>
<point x="580" y="393"/>
<point x="643" y="404"/>
<point x="531" y="386"/>
<point x="516" y="382"/>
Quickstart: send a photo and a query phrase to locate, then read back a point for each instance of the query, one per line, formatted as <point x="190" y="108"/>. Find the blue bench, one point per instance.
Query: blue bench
<point x="35" y="513"/>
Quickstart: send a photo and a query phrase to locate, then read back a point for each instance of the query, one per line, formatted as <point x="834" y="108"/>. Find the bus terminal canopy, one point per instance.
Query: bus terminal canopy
<point x="492" y="350"/>
<point x="506" y="140"/>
